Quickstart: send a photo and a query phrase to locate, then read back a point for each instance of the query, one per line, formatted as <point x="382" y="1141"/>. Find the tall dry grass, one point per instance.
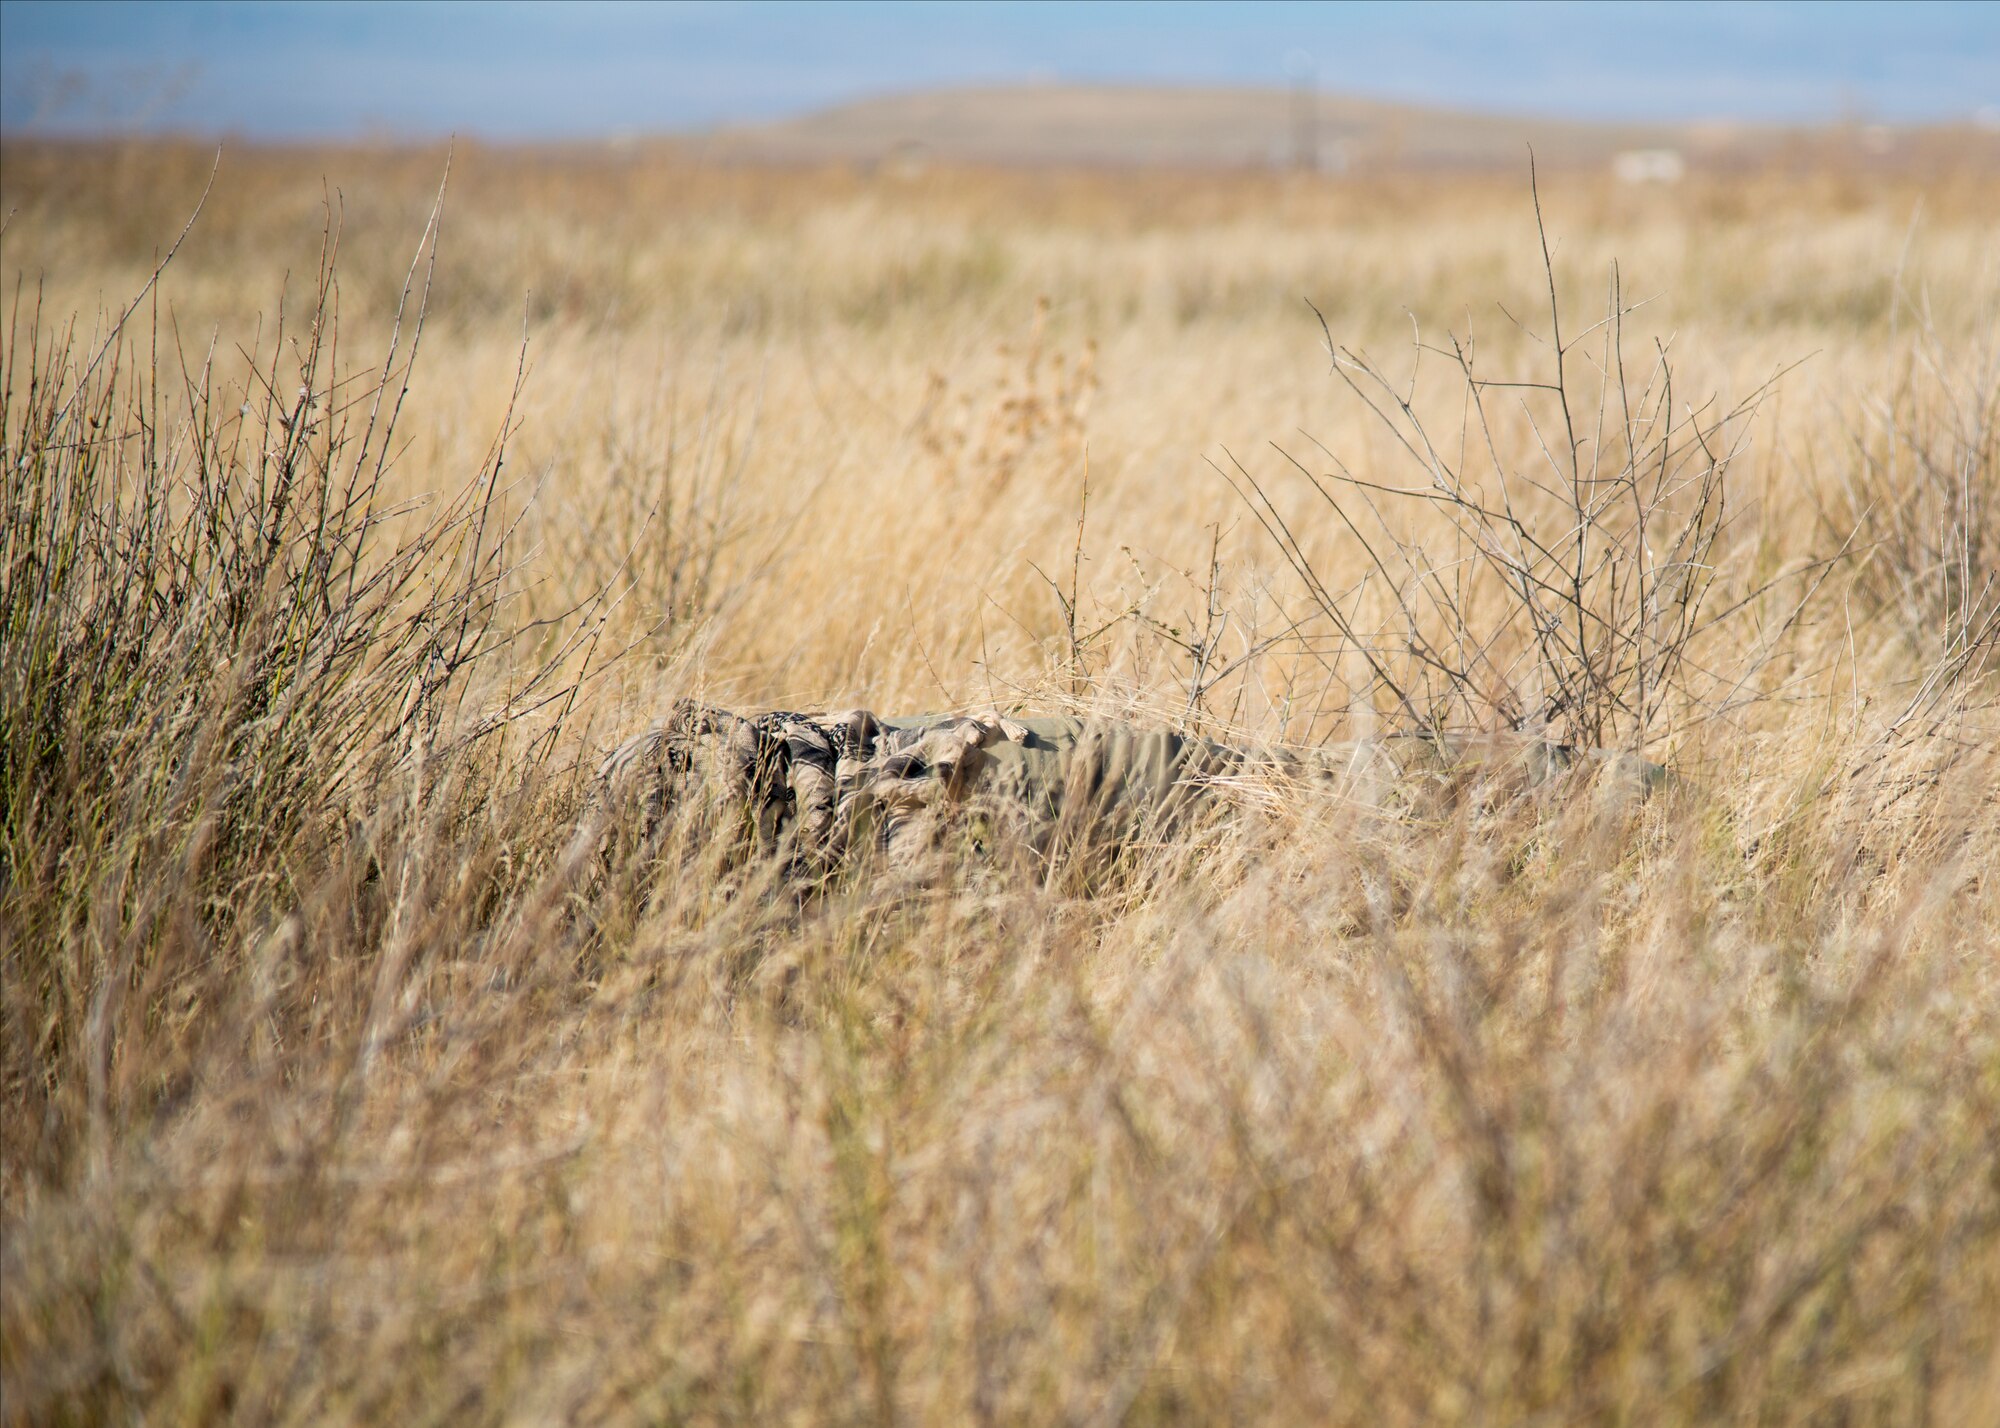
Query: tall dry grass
<point x="332" y="1095"/>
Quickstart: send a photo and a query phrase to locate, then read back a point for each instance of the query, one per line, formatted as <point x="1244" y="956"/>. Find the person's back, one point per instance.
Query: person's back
<point x="820" y="787"/>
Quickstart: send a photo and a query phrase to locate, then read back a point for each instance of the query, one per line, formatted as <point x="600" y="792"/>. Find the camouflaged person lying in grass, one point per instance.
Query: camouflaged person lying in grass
<point x="816" y="789"/>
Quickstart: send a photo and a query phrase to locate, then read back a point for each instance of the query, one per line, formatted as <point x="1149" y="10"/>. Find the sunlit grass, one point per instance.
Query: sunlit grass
<point x="333" y="1094"/>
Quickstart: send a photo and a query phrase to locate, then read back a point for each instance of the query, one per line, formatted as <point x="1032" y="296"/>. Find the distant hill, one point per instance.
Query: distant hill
<point x="1126" y="127"/>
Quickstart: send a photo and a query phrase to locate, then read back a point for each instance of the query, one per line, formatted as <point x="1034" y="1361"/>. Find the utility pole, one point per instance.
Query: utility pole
<point x="1304" y="72"/>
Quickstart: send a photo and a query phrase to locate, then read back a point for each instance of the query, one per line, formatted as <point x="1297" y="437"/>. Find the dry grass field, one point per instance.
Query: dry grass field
<point x="332" y="1095"/>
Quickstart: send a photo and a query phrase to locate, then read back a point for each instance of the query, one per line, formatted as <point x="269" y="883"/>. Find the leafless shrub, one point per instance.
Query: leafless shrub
<point x="1575" y="588"/>
<point x="228" y="654"/>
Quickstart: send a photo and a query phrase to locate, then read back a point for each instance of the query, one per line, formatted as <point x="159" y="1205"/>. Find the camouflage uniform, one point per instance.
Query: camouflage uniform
<point x="820" y="787"/>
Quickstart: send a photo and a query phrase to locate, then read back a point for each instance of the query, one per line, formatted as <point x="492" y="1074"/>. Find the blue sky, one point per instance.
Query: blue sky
<point x="337" y="68"/>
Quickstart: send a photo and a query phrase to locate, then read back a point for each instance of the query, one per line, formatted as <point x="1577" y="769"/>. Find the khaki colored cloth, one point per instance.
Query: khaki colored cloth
<point x="819" y="787"/>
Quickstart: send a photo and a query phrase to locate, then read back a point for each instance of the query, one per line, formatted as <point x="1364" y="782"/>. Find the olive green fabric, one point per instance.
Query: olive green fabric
<point x="818" y="787"/>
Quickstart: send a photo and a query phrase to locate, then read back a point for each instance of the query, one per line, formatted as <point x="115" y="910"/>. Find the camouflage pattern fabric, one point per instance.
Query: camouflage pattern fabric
<point x="816" y="788"/>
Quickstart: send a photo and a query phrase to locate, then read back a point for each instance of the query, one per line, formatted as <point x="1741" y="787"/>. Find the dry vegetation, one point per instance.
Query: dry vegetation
<point x="330" y="1097"/>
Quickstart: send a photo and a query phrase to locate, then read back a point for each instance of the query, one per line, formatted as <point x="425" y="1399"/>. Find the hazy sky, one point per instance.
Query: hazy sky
<point x="335" y="68"/>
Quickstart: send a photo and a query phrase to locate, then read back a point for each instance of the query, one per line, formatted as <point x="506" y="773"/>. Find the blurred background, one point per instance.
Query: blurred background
<point x="940" y="250"/>
<point x="1326" y="87"/>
